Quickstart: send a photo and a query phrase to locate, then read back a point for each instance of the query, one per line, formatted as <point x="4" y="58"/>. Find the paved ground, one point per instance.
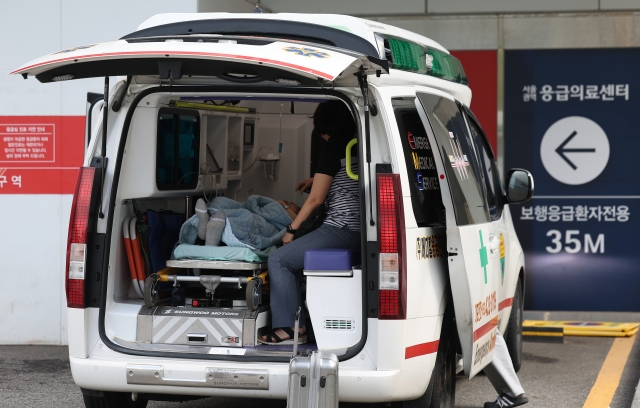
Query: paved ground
<point x="554" y="375"/>
<point x="559" y="375"/>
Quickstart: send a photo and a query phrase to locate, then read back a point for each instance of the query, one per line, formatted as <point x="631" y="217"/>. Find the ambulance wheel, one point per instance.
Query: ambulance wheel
<point x="514" y="329"/>
<point x="151" y="290"/>
<point x="254" y="293"/>
<point x="113" y="400"/>
<point x="441" y="390"/>
<point x="443" y="394"/>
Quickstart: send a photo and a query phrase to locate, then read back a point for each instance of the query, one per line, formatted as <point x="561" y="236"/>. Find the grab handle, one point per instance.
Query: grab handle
<point x="348" y="157"/>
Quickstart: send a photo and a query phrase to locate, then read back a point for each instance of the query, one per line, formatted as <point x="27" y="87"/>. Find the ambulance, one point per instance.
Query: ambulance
<point x="221" y="105"/>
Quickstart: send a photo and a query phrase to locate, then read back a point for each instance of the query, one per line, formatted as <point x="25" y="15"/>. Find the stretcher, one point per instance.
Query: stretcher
<point x="134" y="255"/>
<point x="254" y="282"/>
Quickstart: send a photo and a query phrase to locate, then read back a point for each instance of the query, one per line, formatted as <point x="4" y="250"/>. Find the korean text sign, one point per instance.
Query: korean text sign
<point x="40" y="154"/>
<point x="571" y="119"/>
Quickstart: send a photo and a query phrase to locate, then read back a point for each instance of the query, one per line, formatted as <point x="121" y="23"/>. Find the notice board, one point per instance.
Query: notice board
<point x="571" y="119"/>
<point x="40" y="154"/>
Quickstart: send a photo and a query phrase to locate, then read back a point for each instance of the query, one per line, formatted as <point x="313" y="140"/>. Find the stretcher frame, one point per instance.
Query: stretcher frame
<point x="254" y="283"/>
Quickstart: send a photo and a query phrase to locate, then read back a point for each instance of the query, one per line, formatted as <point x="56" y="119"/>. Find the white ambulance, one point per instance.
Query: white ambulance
<point x="210" y="105"/>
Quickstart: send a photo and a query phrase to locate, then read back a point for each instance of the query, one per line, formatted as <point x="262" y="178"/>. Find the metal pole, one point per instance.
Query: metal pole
<point x="364" y="88"/>
<point x="103" y="153"/>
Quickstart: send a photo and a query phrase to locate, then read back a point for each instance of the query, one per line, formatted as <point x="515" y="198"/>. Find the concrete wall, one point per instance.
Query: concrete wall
<point x="526" y="6"/>
<point x="415" y="7"/>
<point x="526" y="31"/>
<point x="33" y="227"/>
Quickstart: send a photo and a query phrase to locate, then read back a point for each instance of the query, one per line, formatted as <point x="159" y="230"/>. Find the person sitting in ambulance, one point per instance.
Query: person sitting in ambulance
<point x="341" y="228"/>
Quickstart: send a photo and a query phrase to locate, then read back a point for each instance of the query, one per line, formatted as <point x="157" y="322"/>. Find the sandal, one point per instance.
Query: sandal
<point x="273" y="339"/>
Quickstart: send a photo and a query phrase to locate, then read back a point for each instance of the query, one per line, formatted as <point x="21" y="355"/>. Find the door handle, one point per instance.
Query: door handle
<point x="196" y="337"/>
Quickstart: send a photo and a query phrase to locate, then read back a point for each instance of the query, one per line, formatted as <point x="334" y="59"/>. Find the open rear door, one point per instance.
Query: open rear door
<point x="238" y="60"/>
<point x="473" y="273"/>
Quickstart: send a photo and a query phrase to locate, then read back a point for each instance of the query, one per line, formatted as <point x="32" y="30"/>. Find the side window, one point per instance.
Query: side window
<point x="421" y="168"/>
<point x="461" y="165"/>
<point x="177" y="149"/>
<point x="489" y="168"/>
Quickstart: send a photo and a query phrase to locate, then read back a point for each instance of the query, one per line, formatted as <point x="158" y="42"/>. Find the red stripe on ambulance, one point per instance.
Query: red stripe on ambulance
<point x="421" y="349"/>
<point x="505" y="303"/>
<point x="481" y="331"/>
<point x="181" y="53"/>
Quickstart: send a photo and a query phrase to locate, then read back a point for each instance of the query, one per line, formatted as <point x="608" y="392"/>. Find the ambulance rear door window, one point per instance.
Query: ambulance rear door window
<point x="177" y="149"/>
<point x="489" y="167"/>
<point x="426" y="198"/>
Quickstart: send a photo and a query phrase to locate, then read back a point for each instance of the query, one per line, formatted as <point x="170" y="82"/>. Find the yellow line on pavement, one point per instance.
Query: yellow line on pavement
<point x="607" y="382"/>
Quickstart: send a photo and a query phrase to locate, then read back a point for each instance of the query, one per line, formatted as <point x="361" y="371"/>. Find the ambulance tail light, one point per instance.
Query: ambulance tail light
<point x="77" y="239"/>
<point x="391" y="238"/>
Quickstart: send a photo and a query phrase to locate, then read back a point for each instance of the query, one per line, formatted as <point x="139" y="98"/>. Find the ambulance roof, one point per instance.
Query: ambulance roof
<point x="365" y="29"/>
<point x="415" y="60"/>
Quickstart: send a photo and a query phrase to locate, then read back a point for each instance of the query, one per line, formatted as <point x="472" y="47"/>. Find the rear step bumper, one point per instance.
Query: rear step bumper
<point x="209" y="378"/>
<point x="228" y="378"/>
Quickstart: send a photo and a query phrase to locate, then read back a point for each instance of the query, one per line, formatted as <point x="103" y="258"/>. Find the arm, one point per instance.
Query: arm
<point x="304" y="185"/>
<point x="319" y="190"/>
<point x="291" y="208"/>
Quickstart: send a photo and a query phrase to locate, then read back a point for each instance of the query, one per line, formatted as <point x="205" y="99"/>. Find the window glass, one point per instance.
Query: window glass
<point x="421" y="168"/>
<point x="177" y="150"/>
<point x="461" y="164"/>
<point x="489" y="169"/>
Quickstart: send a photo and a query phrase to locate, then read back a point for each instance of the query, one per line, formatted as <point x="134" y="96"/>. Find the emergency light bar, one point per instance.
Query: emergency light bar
<point x="412" y="57"/>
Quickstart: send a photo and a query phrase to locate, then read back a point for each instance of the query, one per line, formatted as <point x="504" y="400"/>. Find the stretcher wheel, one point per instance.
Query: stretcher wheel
<point x="151" y="290"/>
<point x="254" y="293"/>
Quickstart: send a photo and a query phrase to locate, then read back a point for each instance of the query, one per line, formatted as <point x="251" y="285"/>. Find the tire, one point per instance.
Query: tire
<point x="113" y="400"/>
<point x="444" y="373"/>
<point x="442" y="387"/>
<point x="253" y="294"/>
<point x="151" y="290"/>
<point x="514" y="329"/>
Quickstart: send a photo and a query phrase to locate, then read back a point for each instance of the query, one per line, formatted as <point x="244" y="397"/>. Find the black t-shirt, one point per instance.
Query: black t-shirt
<point x="331" y="155"/>
<point x="343" y="198"/>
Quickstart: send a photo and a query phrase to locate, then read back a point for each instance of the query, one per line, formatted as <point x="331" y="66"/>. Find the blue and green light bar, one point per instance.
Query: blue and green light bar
<point x="412" y="57"/>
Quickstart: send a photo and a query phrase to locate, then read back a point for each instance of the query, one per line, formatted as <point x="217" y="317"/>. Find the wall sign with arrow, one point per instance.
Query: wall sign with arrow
<point x="579" y="231"/>
<point x="574" y="150"/>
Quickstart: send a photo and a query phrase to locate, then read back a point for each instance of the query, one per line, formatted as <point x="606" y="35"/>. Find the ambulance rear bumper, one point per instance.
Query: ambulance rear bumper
<point x="208" y="378"/>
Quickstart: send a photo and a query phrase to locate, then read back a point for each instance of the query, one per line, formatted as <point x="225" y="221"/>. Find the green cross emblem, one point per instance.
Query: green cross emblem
<point x="484" y="260"/>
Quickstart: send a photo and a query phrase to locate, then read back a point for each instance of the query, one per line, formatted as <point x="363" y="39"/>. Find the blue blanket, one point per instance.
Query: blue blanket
<point x="224" y="253"/>
<point x="258" y="223"/>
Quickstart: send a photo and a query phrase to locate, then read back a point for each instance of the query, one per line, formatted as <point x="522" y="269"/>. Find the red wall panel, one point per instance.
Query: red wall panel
<point x="40" y="154"/>
<point x="481" y="68"/>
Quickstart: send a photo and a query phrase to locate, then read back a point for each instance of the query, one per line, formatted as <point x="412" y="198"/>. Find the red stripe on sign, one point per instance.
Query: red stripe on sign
<point x="421" y="349"/>
<point x="505" y="303"/>
<point x="183" y="53"/>
<point x="481" y="331"/>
